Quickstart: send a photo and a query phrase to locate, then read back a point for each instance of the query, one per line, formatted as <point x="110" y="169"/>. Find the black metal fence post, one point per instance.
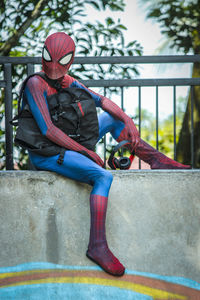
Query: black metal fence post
<point x="192" y="126"/>
<point x="8" y="116"/>
<point x="157" y="119"/>
<point x="30" y="69"/>
<point x="104" y="140"/>
<point x="174" y="119"/>
<point x="139" y="115"/>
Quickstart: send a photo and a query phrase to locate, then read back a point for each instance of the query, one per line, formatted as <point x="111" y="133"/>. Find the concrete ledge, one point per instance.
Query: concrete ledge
<point x="153" y="220"/>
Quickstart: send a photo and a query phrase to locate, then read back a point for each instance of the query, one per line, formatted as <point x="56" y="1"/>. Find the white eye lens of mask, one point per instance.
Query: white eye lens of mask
<point x="46" y="55"/>
<point x="66" y="59"/>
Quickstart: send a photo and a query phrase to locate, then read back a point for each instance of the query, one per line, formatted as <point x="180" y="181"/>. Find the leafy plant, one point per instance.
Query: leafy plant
<point x="179" y="21"/>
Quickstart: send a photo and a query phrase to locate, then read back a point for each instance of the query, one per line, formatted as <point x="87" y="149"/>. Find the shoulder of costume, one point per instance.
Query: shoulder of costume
<point x="68" y="80"/>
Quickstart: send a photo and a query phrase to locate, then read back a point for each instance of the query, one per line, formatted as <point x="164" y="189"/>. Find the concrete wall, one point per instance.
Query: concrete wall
<point x="153" y="220"/>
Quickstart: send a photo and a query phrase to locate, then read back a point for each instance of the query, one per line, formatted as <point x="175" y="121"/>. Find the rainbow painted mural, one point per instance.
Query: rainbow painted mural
<point x="38" y="281"/>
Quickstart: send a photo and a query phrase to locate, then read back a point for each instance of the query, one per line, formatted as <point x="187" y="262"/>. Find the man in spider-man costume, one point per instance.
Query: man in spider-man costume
<point x="57" y="57"/>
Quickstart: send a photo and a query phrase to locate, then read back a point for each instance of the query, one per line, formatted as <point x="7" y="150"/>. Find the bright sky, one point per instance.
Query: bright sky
<point x="148" y="34"/>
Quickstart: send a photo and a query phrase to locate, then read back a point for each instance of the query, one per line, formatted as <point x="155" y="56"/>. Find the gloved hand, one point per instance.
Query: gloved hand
<point x="132" y="133"/>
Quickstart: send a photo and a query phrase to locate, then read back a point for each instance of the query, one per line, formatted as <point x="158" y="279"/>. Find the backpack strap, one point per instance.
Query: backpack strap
<point x="14" y="121"/>
<point x="53" y="83"/>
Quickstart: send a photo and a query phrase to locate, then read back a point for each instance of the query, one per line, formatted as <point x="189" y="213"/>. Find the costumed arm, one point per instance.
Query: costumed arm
<point x="112" y="108"/>
<point x="35" y="92"/>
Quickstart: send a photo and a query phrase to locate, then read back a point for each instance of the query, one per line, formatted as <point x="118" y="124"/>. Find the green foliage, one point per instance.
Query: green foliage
<point x="105" y="40"/>
<point x="148" y="130"/>
<point x="179" y="21"/>
<point x="24" y="25"/>
<point x="166" y="128"/>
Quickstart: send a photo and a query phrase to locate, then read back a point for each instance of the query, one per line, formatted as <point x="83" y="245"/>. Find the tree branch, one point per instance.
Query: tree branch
<point x="13" y="40"/>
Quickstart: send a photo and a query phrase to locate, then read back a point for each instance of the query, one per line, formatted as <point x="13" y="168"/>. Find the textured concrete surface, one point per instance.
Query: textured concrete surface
<point x="153" y="220"/>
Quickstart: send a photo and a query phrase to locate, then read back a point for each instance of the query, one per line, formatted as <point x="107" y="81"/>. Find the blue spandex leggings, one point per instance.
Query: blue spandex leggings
<point x="78" y="167"/>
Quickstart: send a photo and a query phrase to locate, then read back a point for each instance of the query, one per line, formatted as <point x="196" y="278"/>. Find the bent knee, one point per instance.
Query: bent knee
<point x="106" y="178"/>
<point x="109" y="177"/>
<point x="102" y="183"/>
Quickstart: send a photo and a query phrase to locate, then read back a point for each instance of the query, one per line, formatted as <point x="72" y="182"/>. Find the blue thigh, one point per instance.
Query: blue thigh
<point x="78" y="167"/>
<point x="108" y="124"/>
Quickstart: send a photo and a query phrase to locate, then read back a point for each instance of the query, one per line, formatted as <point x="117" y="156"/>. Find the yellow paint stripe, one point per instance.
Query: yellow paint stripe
<point x="15" y="274"/>
<point x="138" y="288"/>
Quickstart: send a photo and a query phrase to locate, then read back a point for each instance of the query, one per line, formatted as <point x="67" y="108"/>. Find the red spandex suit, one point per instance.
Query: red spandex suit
<point x="57" y="57"/>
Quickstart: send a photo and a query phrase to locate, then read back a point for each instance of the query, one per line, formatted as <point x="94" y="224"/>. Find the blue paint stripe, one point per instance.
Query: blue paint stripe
<point x="69" y="291"/>
<point x="45" y="265"/>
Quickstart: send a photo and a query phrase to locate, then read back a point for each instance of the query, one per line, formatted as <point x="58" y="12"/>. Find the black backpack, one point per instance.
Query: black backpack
<point x="72" y="110"/>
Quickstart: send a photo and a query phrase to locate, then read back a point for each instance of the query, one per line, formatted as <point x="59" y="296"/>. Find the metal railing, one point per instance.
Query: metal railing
<point x="30" y="62"/>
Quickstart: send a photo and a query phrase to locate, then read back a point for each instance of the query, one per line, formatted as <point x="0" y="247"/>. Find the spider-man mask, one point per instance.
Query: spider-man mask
<point x="57" y="55"/>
